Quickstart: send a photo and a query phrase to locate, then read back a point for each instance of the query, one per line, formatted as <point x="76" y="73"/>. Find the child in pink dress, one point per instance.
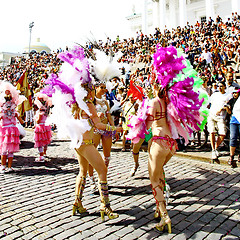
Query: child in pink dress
<point x="9" y="133"/>
<point x="42" y="132"/>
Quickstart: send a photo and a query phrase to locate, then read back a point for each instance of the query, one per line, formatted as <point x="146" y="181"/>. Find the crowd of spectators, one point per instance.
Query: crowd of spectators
<point x="39" y="66"/>
<point x="212" y="47"/>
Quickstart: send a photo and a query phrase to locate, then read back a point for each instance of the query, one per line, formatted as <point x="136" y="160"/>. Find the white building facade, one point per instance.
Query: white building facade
<point x="168" y="14"/>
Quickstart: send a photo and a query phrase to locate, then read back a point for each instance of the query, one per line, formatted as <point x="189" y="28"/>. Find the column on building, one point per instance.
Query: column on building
<point x="162" y="12"/>
<point x="236" y="6"/>
<point x="182" y="13"/>
<point x="155" y="10"/>
<point x="172" y="14"/>
<point x="144" y="17"/>
<point x="209" y="9"/>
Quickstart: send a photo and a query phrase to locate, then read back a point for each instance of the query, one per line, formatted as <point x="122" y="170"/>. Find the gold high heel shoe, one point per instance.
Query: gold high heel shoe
<point x="165" y="220"/>
<point x="108" y="211"/>
<point x="161" y="208"/>
<point x="105" y="204"/>
<point x="80" y="185"/>
<point x="78" y="207"/>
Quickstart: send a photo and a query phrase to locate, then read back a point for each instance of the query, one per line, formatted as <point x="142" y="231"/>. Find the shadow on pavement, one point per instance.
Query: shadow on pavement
<point x="129" y="190"/>
<point x="52" y="166"/>
<point x="26" y="145"/>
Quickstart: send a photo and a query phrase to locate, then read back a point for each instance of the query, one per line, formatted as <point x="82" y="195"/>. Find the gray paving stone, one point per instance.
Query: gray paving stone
<point x="182" y="225"/>
<point x="194" y="216"/>
<point x="121" y="233"/>
<point x="196" y="226"/>
<point x="65" y="234"/>
<point x="102" y="234"/>
<point x="199" y="235"/>
<point x="150" y="235"/>
<point x="207" y="217"/>
<point x="228" y="225"/>
<point x="112" y="237"/>
<point x="235" y="231"/>
<point x="220" y="218"/>
<point x="214" y="236"/>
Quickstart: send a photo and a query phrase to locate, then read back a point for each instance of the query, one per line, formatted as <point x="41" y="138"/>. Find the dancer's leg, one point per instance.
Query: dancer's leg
<point x="80" y="185"/>
<point x="158" y="156"/>
<point x="107" y="144"/>
<point x="135" y="152"/>
<point x="96" y="141"/>
<point x="93" y="157"/>
<point x="105" y="203"/>
<point x="124" y="140"/>
<point x="91" y="177"/>
<point x="90" y="153"/>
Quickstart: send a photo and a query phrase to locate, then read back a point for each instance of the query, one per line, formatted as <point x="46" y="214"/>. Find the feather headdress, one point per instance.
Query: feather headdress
<point x="68" y="87"/>
<point x="174" y="74"/>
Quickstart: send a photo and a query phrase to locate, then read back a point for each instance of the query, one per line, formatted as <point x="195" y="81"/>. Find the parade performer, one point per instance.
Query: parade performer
<point x="136" y="93"/>
<point x="103" y="112"/>
<point x="173" y="112"/>
<point x="104" y="68"/>
<point x="42" y="131"/>
<point x="9" y="133"/>
<point x="74" y="92"/>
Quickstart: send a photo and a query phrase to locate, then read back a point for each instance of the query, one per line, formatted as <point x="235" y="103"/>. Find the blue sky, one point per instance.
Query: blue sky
<point x="61" y="23"/>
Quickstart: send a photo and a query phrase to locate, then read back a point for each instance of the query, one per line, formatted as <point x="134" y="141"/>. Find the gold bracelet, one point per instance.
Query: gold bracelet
<point x="110" y="128"/>
<point x="113" y="128"/>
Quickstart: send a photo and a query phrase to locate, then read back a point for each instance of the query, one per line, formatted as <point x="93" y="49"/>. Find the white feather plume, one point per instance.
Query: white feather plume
<point x="106" y="67"/>
<point x="69" y="75"/>
<point x="67" y="126"/>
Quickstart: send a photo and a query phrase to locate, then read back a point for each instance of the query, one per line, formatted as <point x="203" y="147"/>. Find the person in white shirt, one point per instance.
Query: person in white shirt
<point x="216" y="118"/>
<point x="207" y="56"/>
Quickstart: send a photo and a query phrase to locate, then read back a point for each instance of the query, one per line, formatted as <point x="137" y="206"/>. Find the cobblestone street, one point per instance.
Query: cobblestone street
<point x="36" y="200"/>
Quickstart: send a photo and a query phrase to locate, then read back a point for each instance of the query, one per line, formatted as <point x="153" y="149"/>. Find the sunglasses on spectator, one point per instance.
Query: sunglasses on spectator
<point x="103" y="87"/>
